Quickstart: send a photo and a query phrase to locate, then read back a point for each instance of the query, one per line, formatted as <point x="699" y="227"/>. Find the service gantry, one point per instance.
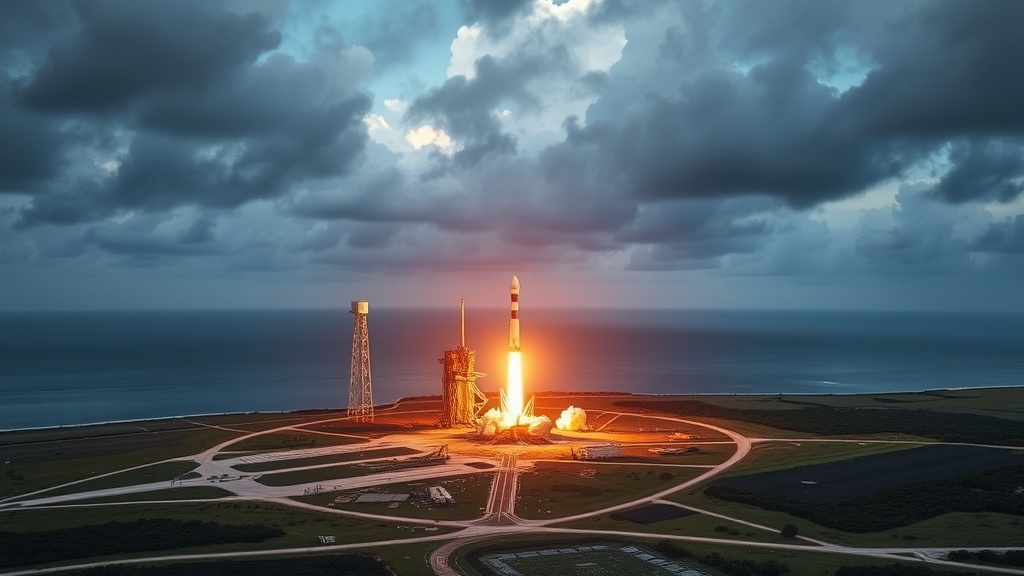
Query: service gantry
<point x="461" y="401"/>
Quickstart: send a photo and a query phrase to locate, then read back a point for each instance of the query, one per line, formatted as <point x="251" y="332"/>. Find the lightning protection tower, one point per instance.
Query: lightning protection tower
<point x="360" y="392"/>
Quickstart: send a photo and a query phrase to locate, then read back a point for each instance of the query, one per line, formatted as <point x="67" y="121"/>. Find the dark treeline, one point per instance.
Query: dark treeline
<point x="944" y="426"/>
<point x="991" y="491"/>
<point x="729" y="566"/>
<point x="333" y="565"/>
<point x="1008" y="558"/>
<point x="144" y="535"/>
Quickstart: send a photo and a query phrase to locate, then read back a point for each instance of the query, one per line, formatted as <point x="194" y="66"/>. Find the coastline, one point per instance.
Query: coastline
<point x="542" y="394"/>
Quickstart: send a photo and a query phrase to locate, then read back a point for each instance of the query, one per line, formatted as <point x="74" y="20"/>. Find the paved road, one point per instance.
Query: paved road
<point x="501" y="503"/>
<point x="231" y="555"/>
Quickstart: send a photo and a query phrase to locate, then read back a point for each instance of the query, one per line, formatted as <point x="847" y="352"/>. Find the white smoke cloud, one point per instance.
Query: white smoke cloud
<point x="539" y="425"/>
<point x="489" y="423"/>
<point x="572" y="419"/>
<point x="492" y="421"/>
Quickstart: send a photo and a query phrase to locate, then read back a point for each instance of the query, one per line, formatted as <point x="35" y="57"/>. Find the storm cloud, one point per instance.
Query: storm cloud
<point x="199" y="122"/>
<point x="698" y="142"/>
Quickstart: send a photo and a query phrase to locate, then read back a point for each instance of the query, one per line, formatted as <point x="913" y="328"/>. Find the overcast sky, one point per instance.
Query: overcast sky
<point x="684" y="154"/>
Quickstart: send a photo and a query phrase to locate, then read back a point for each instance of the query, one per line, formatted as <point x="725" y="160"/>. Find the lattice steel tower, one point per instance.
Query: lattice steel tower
<point x="360" y="392"/>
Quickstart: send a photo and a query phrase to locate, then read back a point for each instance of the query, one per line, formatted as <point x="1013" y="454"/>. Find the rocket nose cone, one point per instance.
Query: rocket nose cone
<point x="515" y="284"/>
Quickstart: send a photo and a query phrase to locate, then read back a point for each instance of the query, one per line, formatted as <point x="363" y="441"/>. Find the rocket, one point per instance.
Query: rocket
<point x="513" y="324"/>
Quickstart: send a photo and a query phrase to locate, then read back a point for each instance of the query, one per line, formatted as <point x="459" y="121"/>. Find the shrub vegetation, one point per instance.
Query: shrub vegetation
<point x="144" y="535"/>
<point x="334" y="565"/>
<point x="729" y="566"/>
<point x="991" y="491"/>
<point x="1008" y="558"/>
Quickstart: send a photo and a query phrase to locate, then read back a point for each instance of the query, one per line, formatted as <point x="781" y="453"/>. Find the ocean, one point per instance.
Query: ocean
<point x="83" y="367"/>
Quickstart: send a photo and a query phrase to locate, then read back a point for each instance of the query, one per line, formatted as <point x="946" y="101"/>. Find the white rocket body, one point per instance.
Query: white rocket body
<point x="513" y="324"/>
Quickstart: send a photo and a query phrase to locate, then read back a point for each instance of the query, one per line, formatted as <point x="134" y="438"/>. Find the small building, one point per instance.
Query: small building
<point x="439" y="495"/>
<point x="597" y="452"/>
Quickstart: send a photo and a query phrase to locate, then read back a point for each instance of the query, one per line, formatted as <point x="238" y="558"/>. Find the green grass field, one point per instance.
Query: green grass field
<point x="408" y="559"/>
<point x="330" y="459"/>
<point x="289" y="440"/>
<point x="700" y="525"/>
<point x="709" y="455"/>
<point x="302" y="527"/>
<point x="1004" y="402"/>
<point x="183" y="493"/>
<point x="23" y="477"/>
<point x="313" y="475"/>
<point x="556" y="489"/>
<point x="470" y="492"/>
<point x="255" y="422"/>
<point x="656" y="427"/>
<point x="161" y="472"/>
<point x="778" y="455"/>
<point x="958" y="529"/>
<point x="892" y="420"/>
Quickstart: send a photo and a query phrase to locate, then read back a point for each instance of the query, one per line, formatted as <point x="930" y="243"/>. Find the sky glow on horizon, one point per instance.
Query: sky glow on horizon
<point x="613" y="153"/>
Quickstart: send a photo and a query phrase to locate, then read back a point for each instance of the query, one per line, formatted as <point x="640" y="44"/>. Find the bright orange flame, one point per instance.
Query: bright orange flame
<point x="514" y="389"/>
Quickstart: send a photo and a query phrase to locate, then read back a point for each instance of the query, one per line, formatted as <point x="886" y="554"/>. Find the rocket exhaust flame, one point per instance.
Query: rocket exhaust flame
<point x="513" y="390"/>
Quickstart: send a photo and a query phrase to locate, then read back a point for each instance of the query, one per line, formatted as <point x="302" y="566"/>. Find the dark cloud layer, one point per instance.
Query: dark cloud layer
<point x="778" y="130"/>
<point x="950" y="70"/>
<point x="31" y="147"/>
<point x="127" y="51"/>
<point x="157" y="133"/>
<point x="29" y="29"/>
<point x="467" y="108"/>
<point x="196" y="240"/>
<point x="205" y="121"/>
<point x="984" y="170"/>
<point x="1005" y="237"/>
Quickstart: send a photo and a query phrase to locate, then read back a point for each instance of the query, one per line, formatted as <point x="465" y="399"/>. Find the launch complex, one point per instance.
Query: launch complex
<point x="462" y="402"/>
<point x="456" y="477"/>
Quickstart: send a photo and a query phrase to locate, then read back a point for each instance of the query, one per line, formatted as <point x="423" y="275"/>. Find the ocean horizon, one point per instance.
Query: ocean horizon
<point x="74" y="368"/>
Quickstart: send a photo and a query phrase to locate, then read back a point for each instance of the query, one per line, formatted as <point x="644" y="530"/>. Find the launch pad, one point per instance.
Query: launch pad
<point x="462" y="402"/>
<point x="519" y="434"/>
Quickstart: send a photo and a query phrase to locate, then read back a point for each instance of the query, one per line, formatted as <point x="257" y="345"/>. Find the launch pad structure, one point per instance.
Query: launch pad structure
<point x="461" y="401"/>
<point x="360" y="390"/>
